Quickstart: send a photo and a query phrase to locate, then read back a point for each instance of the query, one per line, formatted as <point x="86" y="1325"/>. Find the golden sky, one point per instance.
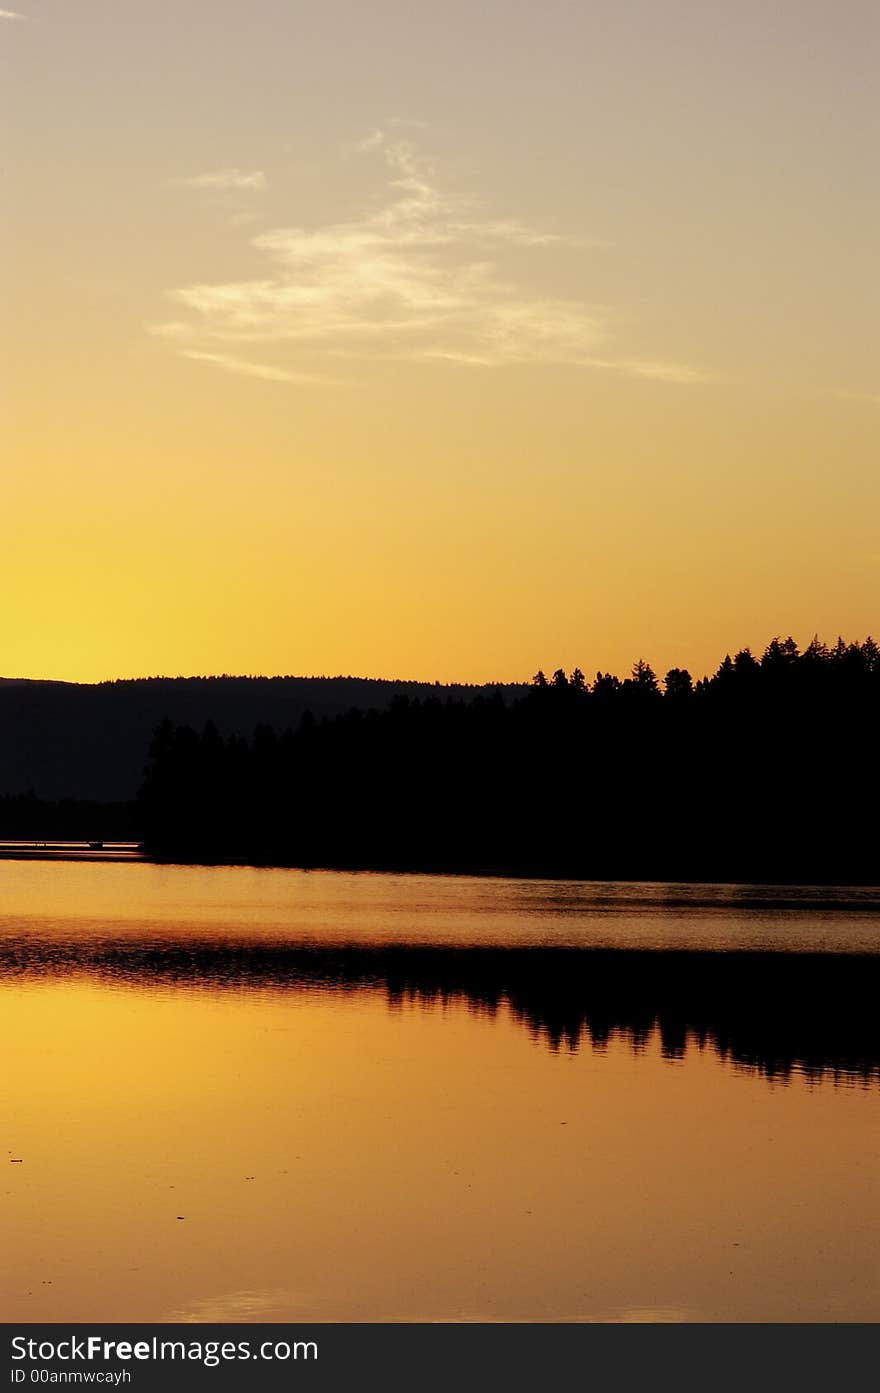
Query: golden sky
<point x="438" y="341"/>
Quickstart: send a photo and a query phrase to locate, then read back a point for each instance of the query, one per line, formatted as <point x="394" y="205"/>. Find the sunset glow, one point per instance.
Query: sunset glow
<point x="437" y="342"/>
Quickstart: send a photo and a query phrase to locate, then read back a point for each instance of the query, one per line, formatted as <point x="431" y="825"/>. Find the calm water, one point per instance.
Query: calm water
<point x="242" y="1094"/>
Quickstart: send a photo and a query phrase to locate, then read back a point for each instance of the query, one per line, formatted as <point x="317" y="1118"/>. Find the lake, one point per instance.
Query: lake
<point x="252" y="1094"/>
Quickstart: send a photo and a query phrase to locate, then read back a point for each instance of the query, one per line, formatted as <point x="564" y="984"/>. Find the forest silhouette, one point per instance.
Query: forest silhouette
<point x="87" y="741"/>
<point x="765" y="771"/>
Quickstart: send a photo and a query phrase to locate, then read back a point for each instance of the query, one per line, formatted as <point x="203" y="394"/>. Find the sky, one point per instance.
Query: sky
<point x="441" y="341"/>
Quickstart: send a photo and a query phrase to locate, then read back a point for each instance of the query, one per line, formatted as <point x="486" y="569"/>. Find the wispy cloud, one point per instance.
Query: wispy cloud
<point x="422" y="274"/>
<point x="243" y="219"/>
<point x="224" y="179"/>
<point x="261" y="370"/>
<point x="11" y="14"/>
<point x="841" y="394"/>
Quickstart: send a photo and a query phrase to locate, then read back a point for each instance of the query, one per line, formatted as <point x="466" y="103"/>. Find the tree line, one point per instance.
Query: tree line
<point x="767" y="770"/>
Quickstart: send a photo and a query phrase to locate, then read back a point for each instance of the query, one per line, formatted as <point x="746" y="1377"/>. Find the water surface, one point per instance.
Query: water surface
<point x="241" y="1094"/>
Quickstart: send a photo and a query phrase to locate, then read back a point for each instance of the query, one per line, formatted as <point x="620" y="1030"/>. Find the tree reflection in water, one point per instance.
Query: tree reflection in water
<point x="773" y="1013"/>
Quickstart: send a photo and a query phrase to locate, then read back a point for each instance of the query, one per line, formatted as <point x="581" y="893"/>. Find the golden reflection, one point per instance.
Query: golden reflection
<point x="256" y="1155"/>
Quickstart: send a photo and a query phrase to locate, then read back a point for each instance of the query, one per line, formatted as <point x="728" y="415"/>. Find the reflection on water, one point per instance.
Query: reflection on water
<point x="774" y="1012"/>
<point x="256" y="1095"/>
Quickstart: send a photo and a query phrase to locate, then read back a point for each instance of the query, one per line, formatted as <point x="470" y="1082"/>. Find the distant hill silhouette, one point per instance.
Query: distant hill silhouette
<point x="32" y="682"/>
<point x="65" y="740"/>
<point x="767" y="771"/>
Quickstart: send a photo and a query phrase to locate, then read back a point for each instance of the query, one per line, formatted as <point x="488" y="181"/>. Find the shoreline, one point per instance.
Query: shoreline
<point x="137" y="853"/>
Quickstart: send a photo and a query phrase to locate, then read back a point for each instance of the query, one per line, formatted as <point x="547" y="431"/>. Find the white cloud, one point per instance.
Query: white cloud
<point x="657" y="370"/>
<point x="224" y="179"/>
<point x="423" y="274"/>
<point x="261" y="370"/>
<point x="11" y="14"/>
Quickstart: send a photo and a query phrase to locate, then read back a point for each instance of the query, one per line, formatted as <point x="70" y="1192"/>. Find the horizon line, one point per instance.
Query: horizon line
<point x="411" y="681"/>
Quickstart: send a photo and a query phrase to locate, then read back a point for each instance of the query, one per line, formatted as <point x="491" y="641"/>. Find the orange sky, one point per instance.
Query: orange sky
<point x="458" y="345"/>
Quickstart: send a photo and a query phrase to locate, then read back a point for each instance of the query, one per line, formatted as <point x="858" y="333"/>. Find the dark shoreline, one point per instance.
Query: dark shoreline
<point x="144" y="855"/>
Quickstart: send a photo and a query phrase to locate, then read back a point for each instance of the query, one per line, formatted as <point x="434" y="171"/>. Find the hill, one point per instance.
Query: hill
<point x="74" y="740"/>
